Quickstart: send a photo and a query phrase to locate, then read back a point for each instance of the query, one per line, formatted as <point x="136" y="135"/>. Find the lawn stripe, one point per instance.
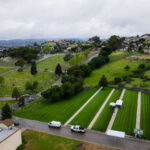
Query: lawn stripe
<point x="70" y="119"/>
<point x="103" y="120"/>
<point x="100" y="110"/>
<point x="125" y="120"/>
<point x="145" y="115"/>
<point x="85" y="117"/>
<point x="115" y="113"/>
<point x="138" y="114"/>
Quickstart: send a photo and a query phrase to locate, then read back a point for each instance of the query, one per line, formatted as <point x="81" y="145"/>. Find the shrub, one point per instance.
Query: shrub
<point x="103" y="81"/>
<point x="117" y="80"/>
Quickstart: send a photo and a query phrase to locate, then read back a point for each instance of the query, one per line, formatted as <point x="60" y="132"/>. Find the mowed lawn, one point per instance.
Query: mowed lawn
<point x="19" y="79"/>
<point x="42" y="141"/>
<point x="85" y="117"/>
<point x="105" y="116"/>
<point x="60" y="111"/>
<point x="51" y="62"/>
<point x="126" y="116"/>
<point x="111" y="70"/>
<point x="2" y="70"/>
<point x="145" y="115"/>
<point x="9" y="102"/>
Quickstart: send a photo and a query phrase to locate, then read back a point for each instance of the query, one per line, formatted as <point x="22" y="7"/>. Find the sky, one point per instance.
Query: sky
<point x="24" y="19"/>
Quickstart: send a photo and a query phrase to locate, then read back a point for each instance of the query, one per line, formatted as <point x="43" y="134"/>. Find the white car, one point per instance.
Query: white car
<point x="78" y="128"/>
<point x="55" y="124"/>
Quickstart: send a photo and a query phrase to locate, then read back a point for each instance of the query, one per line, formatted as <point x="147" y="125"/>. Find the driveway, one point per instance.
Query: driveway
<point x="129" y="143"/>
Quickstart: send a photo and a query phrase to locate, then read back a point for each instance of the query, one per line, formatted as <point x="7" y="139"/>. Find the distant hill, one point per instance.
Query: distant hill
<point x="25" y="42"/>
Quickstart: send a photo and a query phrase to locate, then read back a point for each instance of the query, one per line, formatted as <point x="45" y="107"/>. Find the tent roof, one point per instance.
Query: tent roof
<point x="116" y="133"/>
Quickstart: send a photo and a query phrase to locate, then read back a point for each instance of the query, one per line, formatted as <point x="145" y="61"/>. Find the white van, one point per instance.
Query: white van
<point x="55" y="124"/>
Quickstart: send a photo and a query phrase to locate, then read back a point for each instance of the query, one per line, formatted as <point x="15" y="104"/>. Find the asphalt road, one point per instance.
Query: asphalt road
<point x="129" y="143"/>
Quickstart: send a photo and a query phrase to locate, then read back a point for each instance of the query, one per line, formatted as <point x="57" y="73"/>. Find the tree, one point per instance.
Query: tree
<point x="21" y="101"/>
<point x="31" y="86"/>
<point x="58" y="70"/>
<point x="33" y="69"/>
<point x="86" y="53"/>
<point x="114" y="42"/>
<point x="142" y="66"/>
<point x="15" y="93"/>
<point x="127" y="67"/>
<point x="117" y="80"/>
<point x="20" y="63"/>
<point x="68" y="89"/>
<point x="6" y="112"/>
<point x="103" y="81"/>
<point x="96" y="39"/>
<point x="67" y="57"/>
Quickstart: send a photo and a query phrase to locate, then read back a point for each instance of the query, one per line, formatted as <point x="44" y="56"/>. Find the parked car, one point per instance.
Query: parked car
<point x="77" y="128"/>
<point x="26" y="95"/>
<point x="55" y="124"/>
<point x="16" y="122"/>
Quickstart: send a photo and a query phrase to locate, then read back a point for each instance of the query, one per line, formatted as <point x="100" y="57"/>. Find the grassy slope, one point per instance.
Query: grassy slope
<point x="88" y="113"/>
<point x="51" y="62"/>
<point x="111" y="70"/>
<point x="11" y="102"/>
<point x="126" y="116"/>
<point x="61" y="111"/>
<point x="104" y="118"/>
<point x="2" y="70"/>
<point x="40" y="141"/>
<point x="145" y="115"/>
<point x="118" y="55"/>
<point x="19" y="79"/>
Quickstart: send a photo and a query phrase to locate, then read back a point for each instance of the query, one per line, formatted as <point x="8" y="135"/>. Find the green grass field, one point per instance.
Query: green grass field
<point x="51" y="62"/>
<point x="145" y="115"/>
<point x="105" y="116"/>
<point x="126" y="116"/>
<point x="19" y="80"/>
<point x="85" y="117"/>
<point x="61" y="111"/>
<point x="10" y="102"/>
<point x="39" y="141"/>
<point x="2" y="70"/>
<point x="118" y="55"/>
<point x="111" y="70"/>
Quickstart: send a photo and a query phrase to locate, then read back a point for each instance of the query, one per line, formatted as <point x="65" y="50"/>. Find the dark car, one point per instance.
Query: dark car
<point x="16" y="122"/>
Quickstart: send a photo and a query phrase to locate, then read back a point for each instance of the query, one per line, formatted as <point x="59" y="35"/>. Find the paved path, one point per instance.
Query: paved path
<point x="114" y="113"/>
<point x="6" y="98"/>
<point x="83" y="106"/>
<point x="127" y="143"/>
<point x="100" y="110"/>
<point x="7" y="67"/>
<point x="88" y="60"/>
<point x="5" y="73"/>
<point x="138" y="114"/>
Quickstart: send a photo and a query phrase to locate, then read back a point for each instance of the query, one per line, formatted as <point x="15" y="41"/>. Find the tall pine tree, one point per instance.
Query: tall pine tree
<point x="33" y="69"/>
<point x="15" y="93"/>
<point x="58" y="70"/>
<point x="103" y="81"/>
<point x="6" y="112"/>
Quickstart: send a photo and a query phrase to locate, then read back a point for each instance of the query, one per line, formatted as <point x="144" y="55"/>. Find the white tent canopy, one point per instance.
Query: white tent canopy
<point x="119" y="102"/>
<point x="115" y="133"/>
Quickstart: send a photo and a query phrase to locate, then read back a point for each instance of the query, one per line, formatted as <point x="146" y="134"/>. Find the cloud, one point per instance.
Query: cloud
<point x="73" y="18"/>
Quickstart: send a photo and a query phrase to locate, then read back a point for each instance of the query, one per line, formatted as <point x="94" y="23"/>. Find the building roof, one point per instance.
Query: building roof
<point x="8" y="122"/>
<point x="116" y="133"/>
<point x="5" y="133"/>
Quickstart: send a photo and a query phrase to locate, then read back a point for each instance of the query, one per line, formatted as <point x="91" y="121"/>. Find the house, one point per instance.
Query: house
<point x="117" y="104"/>
<point x="10" y="137"/>
<point x="147" y="50"/>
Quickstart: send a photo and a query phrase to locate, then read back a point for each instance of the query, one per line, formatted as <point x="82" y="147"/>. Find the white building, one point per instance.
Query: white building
<point x="10" y="137"/>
